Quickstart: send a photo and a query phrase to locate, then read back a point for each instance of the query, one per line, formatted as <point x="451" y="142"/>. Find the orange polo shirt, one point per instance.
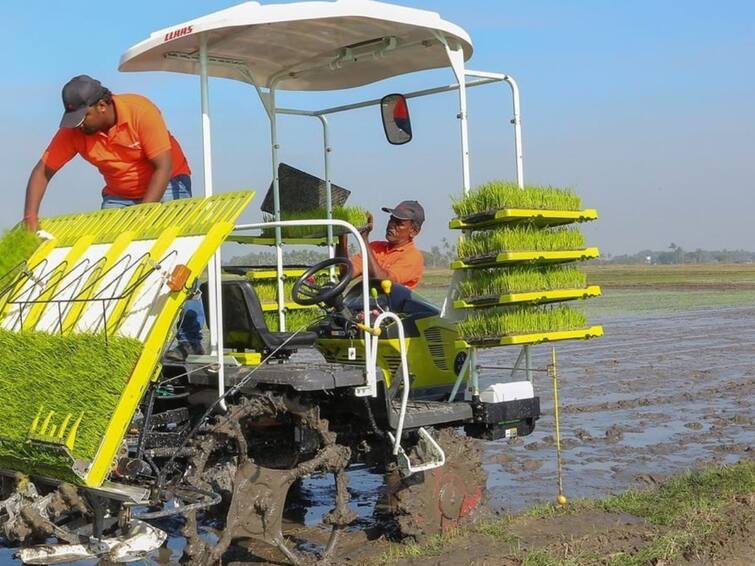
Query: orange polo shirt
<point x="123" y="153"/>
<point x="404" y="264"/>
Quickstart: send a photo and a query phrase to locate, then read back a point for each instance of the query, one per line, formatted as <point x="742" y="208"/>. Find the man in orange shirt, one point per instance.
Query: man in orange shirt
<point x="397" y="258"/>
<point x="125" y="137"/>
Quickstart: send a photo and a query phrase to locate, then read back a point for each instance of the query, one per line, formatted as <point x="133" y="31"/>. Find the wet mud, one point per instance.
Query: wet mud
<point x="660" y="393"/>
<point x="657" y="395"/>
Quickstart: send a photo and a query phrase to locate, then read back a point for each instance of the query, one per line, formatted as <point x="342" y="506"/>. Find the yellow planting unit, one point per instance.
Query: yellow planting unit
<point x="117" y="273"/>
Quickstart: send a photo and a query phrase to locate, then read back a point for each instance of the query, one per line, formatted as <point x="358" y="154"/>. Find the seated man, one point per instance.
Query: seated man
<point x="397" y="258"/>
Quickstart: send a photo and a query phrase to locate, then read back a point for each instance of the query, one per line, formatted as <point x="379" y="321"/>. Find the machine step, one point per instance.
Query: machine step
<point x="429" y="413"/>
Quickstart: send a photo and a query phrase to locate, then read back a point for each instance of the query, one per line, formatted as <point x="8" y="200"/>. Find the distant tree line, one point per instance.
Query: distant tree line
<point x="439" y="256"/>
<point x="677" y="255"/>
<point x="290" y="257"/>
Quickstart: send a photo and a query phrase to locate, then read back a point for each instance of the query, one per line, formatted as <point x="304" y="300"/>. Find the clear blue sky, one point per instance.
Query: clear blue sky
<point x="646" y="108"/>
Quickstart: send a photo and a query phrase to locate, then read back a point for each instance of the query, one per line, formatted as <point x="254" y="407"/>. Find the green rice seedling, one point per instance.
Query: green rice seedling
<point x="78" y="374"/>
<point x="267" y="289"/>
<point x="485" y="282"/>
<point x="16" y="247"/>
<point x="521" y="320"/>
<point x="295" y="319"/>
<point x="497" y="195"/>
<point x="354" y="215"/>
<point x="519" y="238"/>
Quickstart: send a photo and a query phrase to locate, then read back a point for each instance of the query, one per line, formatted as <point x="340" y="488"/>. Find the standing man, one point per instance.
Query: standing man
<point x="396" y="258"/>
<point x="124" y="136"/>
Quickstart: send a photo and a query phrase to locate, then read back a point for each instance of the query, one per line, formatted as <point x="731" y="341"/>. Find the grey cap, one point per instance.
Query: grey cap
<point x="408" y="210"/>
<point x="78" y="95"/>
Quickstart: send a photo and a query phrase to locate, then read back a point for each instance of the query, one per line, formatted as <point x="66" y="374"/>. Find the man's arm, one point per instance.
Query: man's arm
<point x="163" y="164"/>
<point x="35" y="190"/>
<point x="376" y="270"/>
<point x="342" y="246"/>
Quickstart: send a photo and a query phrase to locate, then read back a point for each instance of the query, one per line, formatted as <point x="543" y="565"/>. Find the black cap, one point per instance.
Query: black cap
<point x="408" y="210"/>
<point x="78" y="95"/>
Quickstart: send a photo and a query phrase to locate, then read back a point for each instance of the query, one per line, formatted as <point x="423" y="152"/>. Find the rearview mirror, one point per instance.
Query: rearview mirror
<point x="396" y="122"/>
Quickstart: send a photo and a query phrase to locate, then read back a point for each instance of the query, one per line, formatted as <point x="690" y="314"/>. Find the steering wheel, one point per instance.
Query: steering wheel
<point x="307" y="290"/>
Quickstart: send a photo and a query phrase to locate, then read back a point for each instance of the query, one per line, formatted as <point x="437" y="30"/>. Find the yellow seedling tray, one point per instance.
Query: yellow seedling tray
<point x="537" y="338"/>
<point x="528" y="257"/>
<point x="534" y="216"/>
<point x="536" y="297"/>
<point x="259" y="275"/>
<point x="260" y="241"/>
<point x="248" y="358"/>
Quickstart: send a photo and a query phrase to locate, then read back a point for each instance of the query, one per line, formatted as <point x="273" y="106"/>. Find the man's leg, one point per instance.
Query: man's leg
<point x="178" y="187"/>
<point x="192" y="318"/>
<point x="110" y="201"/>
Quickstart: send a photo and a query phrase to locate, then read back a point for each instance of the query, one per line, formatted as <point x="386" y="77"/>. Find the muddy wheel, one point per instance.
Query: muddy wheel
<point x="7" y="486"/>
<point x="213" y="468"/>
<point x="439" y="500"/>
<point x="254" y="495"/>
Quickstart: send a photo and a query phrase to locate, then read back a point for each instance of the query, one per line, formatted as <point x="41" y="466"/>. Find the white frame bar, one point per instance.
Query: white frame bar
<point x="404" y="371"/>
<point x="268" y="100"/>
<point x="213" y="274"/>
<point x="327" y="150"/>
<point x="516" y="121"/>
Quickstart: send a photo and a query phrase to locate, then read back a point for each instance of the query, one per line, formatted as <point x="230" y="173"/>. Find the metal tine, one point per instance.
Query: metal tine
<point x="138" y="263"/>
<point x="24" y="276"/>
<point x="16" y="276"/>
<point x="45" y="276"/>
<point x="128" y="292"/>
<point x="105" y="273"/>
<point x="76" y="280"/>
<point x="80" y="298"/>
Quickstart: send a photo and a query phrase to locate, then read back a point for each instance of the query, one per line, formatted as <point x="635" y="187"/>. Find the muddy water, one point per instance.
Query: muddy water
<point x="661" y="392"/>
<point x="658" y="394"/>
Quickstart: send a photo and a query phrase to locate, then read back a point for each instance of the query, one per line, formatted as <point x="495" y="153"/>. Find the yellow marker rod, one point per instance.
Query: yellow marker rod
<point x="561" y="498"/>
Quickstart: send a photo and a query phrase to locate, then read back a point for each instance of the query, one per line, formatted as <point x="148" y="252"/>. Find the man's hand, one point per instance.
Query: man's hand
<point x="35" y="190"/>
<point x="365" y="231"/>
<point x="31" y="223"/>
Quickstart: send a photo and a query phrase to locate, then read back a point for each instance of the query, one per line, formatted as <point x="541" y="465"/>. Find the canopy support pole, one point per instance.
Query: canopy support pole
<point x="268" y="100"/>
<point x="327" y="149"/>
<point x="456" y="58"/>
<point x="214" y="280"/>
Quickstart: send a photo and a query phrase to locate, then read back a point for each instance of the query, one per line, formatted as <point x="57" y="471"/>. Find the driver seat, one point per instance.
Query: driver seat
<point x="244" y="325"/>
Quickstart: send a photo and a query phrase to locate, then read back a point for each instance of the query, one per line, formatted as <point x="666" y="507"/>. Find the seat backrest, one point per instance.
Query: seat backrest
<point x="238" y="330"/>
<point x="244" y="325"/>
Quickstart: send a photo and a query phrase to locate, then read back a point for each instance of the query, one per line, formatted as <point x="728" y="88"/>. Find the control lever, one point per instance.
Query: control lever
<point x="374" y="295"/>
<point x="386" y="285"/>
<point x="377" y="331"/>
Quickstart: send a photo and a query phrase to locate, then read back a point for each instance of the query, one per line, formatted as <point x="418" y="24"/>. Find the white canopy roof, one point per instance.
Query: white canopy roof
<point x="304" y="45"/>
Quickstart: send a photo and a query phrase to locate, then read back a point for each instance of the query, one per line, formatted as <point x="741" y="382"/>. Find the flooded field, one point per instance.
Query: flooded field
<point x="668" y="388"/>
<point x="659" y="393"/>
